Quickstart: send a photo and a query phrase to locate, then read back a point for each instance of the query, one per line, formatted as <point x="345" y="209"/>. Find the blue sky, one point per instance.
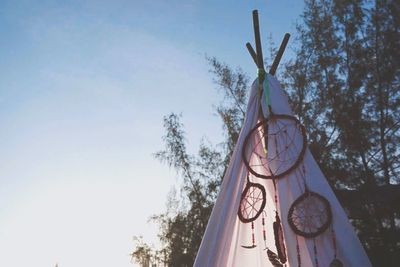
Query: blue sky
<point x="83" y="89"/>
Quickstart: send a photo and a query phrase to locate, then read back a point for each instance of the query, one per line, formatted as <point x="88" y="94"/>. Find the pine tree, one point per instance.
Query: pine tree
<point x="343" y="84"/>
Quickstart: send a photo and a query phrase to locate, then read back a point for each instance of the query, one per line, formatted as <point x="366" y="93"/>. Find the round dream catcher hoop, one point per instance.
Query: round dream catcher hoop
<point x="252" y="202"/>
<point x="310" y="215"/>
<point x="283" y="143"/>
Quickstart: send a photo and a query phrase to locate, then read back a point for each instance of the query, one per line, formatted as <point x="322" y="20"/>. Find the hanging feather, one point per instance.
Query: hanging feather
<point x="279" y="241"/>
<point x="249" y="247"/>
<point x="274" y="259"/>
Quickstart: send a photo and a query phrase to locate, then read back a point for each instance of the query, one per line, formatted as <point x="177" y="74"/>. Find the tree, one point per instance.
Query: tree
<point x="183" y="224"/>
<point x="145" y="255"/>
<point x="343" y="84"/>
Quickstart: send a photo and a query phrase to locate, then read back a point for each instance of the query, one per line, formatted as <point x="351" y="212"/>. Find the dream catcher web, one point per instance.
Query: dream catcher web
<point x="310" y="215"/>
<point x="275" y="146"/>
<point x="252" y="203"/>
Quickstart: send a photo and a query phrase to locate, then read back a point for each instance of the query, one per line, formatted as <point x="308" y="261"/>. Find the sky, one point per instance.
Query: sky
<point x="84" y="86"/>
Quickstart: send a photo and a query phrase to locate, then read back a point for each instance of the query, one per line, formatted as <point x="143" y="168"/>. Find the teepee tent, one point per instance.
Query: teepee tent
<point x="275" y="207"/>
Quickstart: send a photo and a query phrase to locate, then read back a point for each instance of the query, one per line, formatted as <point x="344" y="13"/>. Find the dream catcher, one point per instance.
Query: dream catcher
<point x="283" y="140"/>
<point x="278" y="233"/>
<point x="309" y="216"/>
<point x="252" y="203"/>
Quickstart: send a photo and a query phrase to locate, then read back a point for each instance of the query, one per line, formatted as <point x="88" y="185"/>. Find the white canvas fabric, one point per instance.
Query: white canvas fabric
<point x="226" y="234"/>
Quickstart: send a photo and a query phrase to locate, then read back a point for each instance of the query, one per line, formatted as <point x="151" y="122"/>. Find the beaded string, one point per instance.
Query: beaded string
<point x="315" y="253"/>
<point x="314" y="243"/>
<point x="253" y="239"/>
<point x="298" y="252"/>
<point x="334" y="242"/>
<point x="275" y="199"/>
<point x="275" y="195"/>
<point x="276" y="147"/>
<point x="264" y="232"/>
<point x="303" y="168"/>
<point x="300" y="172"/>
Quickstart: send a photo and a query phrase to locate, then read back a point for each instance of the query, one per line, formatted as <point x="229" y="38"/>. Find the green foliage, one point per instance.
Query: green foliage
<point x="234" y="87"/>
<point x="184" y="223"/>
<point x="343" y="84"/>
<point x="145" y="255"/>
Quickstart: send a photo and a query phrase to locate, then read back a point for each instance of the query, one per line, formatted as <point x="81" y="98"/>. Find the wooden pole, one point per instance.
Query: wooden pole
<point x="252" y="53"/>
<point x="257" y="37"/>
<point x="278" y="56"/>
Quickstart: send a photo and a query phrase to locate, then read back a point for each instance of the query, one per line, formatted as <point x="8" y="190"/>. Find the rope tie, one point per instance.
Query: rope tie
<point x="264" y="86"/>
